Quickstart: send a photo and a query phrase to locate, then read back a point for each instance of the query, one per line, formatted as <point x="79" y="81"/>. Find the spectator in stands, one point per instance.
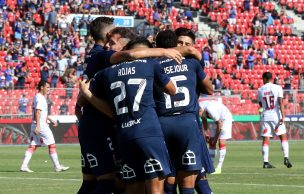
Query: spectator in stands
<point x="220" y="49"/>
<point x="9" y="74"/>
<point x="287" y="83"/>
<point x="264" y="57"/>
<point x="22" y="104"/>
<point x="250" y="60"/>
<point x="64" y="108"/>
<point x="62" y="65"/>
<point x="206" y="56"/>
<point x="246" y="5"/>
<point x="44" y="72"/>
<point x="271" y="55"/>
<point x="245" y="42"/>
<point x="21" y="78"/>
<point x="217" y="82"/>
<point x="264" y="19"/>
<point x="70" y="79"/>
<point x="239" y="61"/>
<point x="54" y="78"/>
<point x="279" y="35"/>
<point x="232" y="16"/>
<point x="188" y="15"/>
<point x="52" y="19"/>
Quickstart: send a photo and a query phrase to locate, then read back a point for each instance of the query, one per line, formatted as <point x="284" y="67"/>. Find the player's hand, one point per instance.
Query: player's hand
<point x="55" y="123"/>
<point x="174" y="54"/>
<point x="36" y="131"/>
<point x="84" y="86"/>
<point x="282" y="121"/>
<point x="207" y="137"/>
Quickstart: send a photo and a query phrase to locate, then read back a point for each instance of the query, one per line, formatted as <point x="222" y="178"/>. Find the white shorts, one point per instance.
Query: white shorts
<point x="226" y="129"/>
<point x="45" y="136"/>
<point x="272" y="126"/>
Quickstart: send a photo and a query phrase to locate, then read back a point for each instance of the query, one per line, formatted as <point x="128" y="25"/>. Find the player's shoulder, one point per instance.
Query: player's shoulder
<point x="191" y="60"/>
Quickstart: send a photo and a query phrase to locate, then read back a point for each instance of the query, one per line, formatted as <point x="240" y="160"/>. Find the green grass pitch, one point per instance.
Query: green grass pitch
<point x="242" y="172"/>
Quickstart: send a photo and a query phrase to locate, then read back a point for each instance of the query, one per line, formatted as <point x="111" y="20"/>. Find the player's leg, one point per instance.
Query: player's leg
<point x="135" y="188"/>
<point x="186" y="181"/>
<point x="170" y="185"/>
<point x="27" y="157"/>
<point x="222" y="154"/>
<point x="202" y="185"/>
<point x="105" y="184"/>
<point x="266" y="133"/>
<point x="282" y="133"/>
<point x="30" y="150"/>
<point x="212" y="144"/>
<point x="155" y="186"/>
<point x="88" y="184"/>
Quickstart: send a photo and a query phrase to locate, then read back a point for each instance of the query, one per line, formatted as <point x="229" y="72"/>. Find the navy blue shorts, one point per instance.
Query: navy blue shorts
<point x="206" y="160"/>
<point x="183" y="143"/>
<point x="144" y="159"/>
<point x="98" y="156"/>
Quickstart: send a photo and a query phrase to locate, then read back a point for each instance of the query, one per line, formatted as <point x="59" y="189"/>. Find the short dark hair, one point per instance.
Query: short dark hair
<point x="185" y="32"/>
<point x="42" y="83"/>
<point x="124" y="32"/>
<point x="138" y="41"/>
<point x="267" y="76"/>
<point x="98" y="26"/>
<point x="166" y="39"/>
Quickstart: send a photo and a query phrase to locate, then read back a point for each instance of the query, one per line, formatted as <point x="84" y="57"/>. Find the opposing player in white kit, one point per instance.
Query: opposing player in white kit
<point x="223" y="119"/>
<point x="41" y="133"/>
<point x="272" y="119"/>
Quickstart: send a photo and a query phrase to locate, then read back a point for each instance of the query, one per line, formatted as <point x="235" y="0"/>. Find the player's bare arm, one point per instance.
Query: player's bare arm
<point x="205" y="86"/>
<point x="37" y="116"/>
<point x="98" y="103"/>
<point x="189" y="51"/>
<point x="170" y="88"/>
<point x="55" y="123"/>
<point x="138" y="53"/>
<point x="282" y="109"/>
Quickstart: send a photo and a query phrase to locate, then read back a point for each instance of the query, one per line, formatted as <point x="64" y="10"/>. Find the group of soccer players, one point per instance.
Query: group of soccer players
<point x="152" y="131"/>
<point x="138" y="119"/>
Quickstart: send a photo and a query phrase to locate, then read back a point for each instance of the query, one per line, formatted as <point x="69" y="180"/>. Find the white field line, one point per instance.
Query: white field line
<point x="30" y="178"/>
<point x="218" y="183"/>
<point x="264" y="174"/>
<point x="259" y="185"/>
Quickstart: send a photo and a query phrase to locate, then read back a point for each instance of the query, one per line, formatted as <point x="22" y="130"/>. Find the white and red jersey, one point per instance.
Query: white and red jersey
<point x="268" y="97"/>
<point x="39" y="102"/>
<point x="216" y="110"/>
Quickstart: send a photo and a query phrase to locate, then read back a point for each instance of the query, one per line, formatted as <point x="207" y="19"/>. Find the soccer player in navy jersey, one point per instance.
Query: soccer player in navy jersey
<point x="91" y="134"/>
<point x="129" y="85"/>
<point x="186" y="37"/>
<point x="178" y="114"/>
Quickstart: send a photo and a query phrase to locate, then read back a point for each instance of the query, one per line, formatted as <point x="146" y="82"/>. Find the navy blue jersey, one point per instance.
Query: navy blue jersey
<point x="185" y="75"/>
<point x="129" y="86"/>
<point x="97" y="59"/>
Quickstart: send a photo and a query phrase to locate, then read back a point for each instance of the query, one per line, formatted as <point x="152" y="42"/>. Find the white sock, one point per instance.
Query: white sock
<point x="265" y="152"/>
<point x="55" y="160"/>
<point x="212" y="153"/>
<point x="222" y="154"/>
<point x="27" y="158"/>
<point x="285" y="148"/>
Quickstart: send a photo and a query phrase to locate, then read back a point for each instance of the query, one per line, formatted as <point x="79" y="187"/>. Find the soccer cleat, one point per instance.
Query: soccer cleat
<point x="25" y="169"/>
<point x="268" y="165"/>
<point x="217" y="171"/>
<point x="287" y="163"/>
<point x="61" y="168"/>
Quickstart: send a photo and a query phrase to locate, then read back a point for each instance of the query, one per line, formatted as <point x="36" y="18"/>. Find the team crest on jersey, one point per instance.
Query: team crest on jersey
<point x="127" y="172"/>
<point x="92" y="160"/>
<point x="189" y="158"/>
<point x="152" y="165"/>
